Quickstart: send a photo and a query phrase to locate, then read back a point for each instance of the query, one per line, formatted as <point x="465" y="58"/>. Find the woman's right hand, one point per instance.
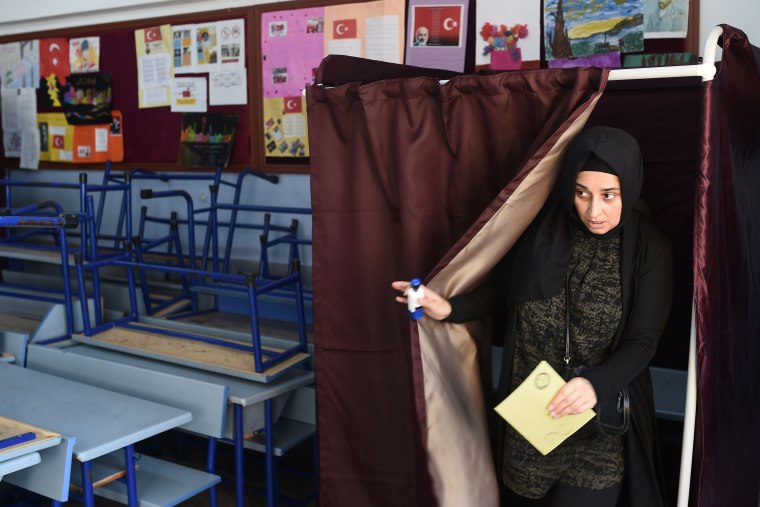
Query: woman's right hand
<point x="434" y="306"/>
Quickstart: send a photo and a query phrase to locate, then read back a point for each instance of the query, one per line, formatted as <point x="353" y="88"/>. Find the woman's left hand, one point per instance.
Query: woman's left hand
<point x="576" y="396"/>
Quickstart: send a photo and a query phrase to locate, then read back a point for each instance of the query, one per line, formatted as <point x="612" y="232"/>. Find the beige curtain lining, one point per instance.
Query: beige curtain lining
<point x="459" y="449"/>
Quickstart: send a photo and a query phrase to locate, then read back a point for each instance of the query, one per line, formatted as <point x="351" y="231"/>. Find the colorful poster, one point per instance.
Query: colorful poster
<point x="292" y="46"/>
<point x="665" y="18"/>
<point x="61" y="142"/>
<point x="577" y="28"/>
<point x="87" y="98"/>
<point x="207" y="139"/>
<point x="372" y="30"/>
<point x="207" y="47"/>
<point x="84" y="54"/>
<point x="20" y="64"/>
<point x="509" y="33"/>
<point x="285" y="133"/>
<point x="153" y="47"/>
<point x="189" y="95"/>
<point x="232" y="43"/>
<point x="437" y="32"/>
<point x="54" y="67"/>
<point x="183" y="49"/>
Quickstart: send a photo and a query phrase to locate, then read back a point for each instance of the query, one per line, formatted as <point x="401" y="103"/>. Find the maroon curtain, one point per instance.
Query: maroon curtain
<point x="401" y="168"/>
<point x="727" y="283"/>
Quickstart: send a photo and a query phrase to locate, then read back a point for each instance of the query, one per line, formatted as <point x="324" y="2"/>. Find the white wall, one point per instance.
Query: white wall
<point x="741" y="14"/>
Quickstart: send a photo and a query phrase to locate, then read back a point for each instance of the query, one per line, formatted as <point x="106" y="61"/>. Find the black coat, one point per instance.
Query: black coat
<point x="646" y="276"/>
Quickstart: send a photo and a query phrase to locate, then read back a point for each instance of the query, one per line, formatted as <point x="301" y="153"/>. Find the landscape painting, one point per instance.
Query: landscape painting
<point x="576" y="28"/>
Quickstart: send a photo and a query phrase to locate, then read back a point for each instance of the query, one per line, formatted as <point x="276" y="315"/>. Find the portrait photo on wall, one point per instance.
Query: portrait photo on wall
<point x="665" y="19"/>
<point x="87" y="98"/>
<point x="207" y="139"/>
<point x="437" y="25"/>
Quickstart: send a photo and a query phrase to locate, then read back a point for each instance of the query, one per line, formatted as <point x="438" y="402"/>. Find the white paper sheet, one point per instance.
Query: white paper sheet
<point x="228" y="87"/>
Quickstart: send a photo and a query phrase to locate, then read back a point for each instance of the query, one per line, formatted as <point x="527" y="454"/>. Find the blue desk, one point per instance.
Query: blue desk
<point x="88" y="364"/>
<point x="102" y="421"/>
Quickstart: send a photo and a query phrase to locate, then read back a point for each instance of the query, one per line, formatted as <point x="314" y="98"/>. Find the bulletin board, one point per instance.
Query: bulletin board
<point x="152" y="135"/>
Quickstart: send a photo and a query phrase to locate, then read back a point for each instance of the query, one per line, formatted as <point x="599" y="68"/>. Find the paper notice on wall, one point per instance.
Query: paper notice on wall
<point x="154" y="51"/>
<point x="228" y="87"/>
<point x="189" y="95"/>
<point x="19" y="113"/>
<point x="382" y="42"/>
<point x="232" y="43"/>
<point x="371" y="30"/>
<point x="30" y="149"/>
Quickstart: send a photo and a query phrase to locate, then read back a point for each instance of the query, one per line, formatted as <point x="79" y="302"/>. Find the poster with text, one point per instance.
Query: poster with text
<point x="154" y="50"/>
<point x="189" y="95"/>
<point x="372" y="30"/>
<point x="436" y="33"/>
<point x="285" y="132"/>
<point x="508" y="34"/>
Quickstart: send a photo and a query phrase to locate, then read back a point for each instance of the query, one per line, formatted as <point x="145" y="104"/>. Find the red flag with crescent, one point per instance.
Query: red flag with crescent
<point x="153" y="34"/>
<point x="344" y="29"/>
<point x="54" y="58"/>
<point x="292" y="104"/>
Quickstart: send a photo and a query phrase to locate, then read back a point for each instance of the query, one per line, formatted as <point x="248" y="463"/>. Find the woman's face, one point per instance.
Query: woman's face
<point x="598" y="200"/>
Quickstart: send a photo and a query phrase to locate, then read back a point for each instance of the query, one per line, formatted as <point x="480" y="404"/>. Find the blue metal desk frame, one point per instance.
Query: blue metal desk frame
<point x="242" y="393"/>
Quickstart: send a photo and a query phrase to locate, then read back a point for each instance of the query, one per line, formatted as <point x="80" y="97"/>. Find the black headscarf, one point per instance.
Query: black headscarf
<point x="538" y="264"/>
<point x="609" y="150"/>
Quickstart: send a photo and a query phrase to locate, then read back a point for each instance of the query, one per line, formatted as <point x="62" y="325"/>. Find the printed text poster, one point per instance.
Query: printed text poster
<point x="372" y="30"/>
<point x="153" y="47"/>
<point x="285" y="133"/>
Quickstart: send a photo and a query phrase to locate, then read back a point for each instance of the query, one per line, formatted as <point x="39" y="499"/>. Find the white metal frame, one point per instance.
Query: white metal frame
<point x="706" y="70"/>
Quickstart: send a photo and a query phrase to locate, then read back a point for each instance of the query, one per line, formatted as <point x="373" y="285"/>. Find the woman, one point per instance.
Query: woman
<point x="598" y="253"/>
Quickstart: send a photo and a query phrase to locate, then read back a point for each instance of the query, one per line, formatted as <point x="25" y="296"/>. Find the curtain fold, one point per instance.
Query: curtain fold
<point x="401" y="170"/>
<point x="726" y="467"/>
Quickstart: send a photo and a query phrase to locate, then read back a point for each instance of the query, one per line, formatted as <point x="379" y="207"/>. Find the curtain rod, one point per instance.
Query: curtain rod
<point x="706" y="69"/>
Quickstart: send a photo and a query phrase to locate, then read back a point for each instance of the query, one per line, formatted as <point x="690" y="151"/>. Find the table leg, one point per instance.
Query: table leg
<point x="210" y="468"/>
<point x="239" y="476"/>
<point x="88" y="496"/>
<point x="129" y="462"/>
<point x="272" y="492"/>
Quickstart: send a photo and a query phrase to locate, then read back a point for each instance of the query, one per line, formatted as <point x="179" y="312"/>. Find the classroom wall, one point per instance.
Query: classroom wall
<point x="293" y="190"/>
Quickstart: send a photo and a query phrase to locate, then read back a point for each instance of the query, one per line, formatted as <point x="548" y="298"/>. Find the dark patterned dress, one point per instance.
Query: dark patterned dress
<point x="587" y="459"/>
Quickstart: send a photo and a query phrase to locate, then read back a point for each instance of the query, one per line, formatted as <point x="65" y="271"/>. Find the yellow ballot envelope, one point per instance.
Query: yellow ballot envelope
<point x="526" y="410"/>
